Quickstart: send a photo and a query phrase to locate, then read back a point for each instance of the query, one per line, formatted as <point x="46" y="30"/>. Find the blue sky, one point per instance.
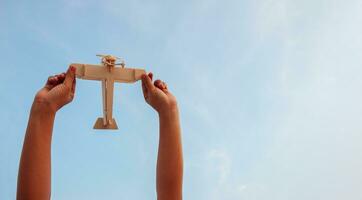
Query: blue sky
<point x="269" y="94"/>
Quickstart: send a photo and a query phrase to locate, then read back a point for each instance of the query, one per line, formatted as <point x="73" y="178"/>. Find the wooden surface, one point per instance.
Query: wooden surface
<point x="99" y="124"/>
<point x="108" y="75"/>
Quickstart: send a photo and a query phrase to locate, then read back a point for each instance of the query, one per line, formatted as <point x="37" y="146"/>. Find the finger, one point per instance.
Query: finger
<point x="150" y="75"/>
<point x="74" y="86"/>
<point x="165" y="88"/>
<point x="162" y="86"/>
<point x="51" y="80"/>
<point x="144" y="90"/>
<point x="70" y="77"/>
<point x="165" y="85"/>
<point x="50" y="83"/>
<point x="61" y="77"/>
<point x="147" y="81"/>
<point x="57" y="79"/>
<point x="158" y="83"/>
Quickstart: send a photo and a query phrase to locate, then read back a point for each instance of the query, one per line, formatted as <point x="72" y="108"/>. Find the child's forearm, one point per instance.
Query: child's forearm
<point x="170" y="161"/>
<point x="34" y="170"/>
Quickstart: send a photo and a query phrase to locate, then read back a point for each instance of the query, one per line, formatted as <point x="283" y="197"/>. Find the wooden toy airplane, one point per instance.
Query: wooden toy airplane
<point x="108" y="74"/>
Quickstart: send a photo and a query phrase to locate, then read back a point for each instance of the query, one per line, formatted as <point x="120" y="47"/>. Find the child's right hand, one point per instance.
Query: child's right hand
<point x="58" y="91"/>
<point x="157" y="94"/>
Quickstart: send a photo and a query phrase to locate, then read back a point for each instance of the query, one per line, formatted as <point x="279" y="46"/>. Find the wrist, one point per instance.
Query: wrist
<point x="42" y="107"/>
<point x="169" y="111"/>
<point x="41" y="121"/>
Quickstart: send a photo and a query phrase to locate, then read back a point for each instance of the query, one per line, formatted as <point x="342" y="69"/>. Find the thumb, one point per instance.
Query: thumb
<point x="70" y="77"/>
<point x="146" y="80"/>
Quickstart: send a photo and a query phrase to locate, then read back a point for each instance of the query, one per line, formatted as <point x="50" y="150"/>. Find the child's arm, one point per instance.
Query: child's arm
<point x="170" y="161"/>
<point x="34" y="170"/>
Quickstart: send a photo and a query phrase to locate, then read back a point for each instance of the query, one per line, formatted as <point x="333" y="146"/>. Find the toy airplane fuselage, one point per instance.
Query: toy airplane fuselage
<point x="108" y="74"/>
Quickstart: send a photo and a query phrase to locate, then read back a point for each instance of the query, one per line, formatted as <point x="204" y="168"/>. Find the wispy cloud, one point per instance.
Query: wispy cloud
<point x="268" y="93"/>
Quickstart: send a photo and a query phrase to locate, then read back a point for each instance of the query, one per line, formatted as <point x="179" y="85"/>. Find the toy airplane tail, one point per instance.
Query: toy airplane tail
<point x="103" y="124"/>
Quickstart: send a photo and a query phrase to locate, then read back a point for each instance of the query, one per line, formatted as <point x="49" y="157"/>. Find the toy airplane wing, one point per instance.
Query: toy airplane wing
<point x="127" y="75"/>
<point x="89" y="72"/>
<point x="99" y="72"/>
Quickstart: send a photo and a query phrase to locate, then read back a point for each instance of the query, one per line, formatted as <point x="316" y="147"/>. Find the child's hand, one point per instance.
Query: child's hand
<point x="157" y="94"/>
<point x="57" y="92"/>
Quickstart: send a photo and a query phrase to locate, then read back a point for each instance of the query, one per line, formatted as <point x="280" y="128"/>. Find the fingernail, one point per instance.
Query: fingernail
<point x="72" y="68"/>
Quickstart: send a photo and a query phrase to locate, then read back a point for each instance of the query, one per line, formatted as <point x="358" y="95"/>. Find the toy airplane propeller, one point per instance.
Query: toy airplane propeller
<point x="108" y="73"/>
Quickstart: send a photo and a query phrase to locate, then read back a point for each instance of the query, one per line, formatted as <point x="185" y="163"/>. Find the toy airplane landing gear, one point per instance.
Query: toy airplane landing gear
<point x="111" y="124"/>
<point x="108" y="74"/>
